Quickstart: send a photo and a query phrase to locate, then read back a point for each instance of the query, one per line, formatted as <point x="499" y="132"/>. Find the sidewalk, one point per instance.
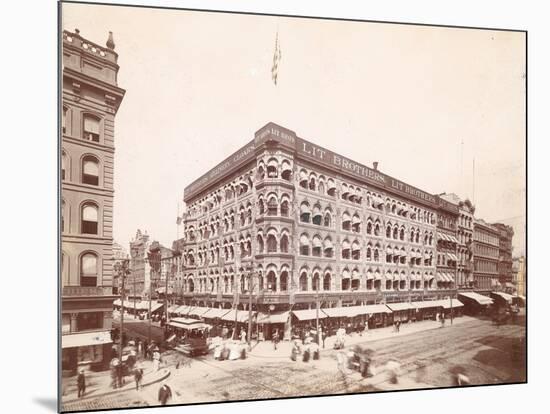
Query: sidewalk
<point x="99" y="383"/>
<point x="265" y="349"/>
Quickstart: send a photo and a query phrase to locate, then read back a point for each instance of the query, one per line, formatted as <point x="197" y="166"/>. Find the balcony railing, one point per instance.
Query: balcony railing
<point x="87" y="291"/>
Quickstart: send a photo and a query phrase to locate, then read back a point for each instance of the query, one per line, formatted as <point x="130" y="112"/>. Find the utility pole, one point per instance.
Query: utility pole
<point x="250" y="290"/>
<point x="122" y="271"/>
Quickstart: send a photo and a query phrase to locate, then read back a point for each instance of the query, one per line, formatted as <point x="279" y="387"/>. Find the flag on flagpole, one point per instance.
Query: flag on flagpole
<point x="276" y="59"/>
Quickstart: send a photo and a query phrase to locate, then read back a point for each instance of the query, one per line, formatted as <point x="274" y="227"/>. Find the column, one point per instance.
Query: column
<point x="73" y="322"/>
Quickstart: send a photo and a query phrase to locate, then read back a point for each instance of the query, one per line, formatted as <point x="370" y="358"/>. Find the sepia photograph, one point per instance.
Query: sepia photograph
<point x="261" y="207"/>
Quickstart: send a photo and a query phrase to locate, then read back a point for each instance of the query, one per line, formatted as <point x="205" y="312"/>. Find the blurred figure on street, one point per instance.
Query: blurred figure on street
<point x="138" y="376"/>
<point x="397" y="326"/>
<point x="165" y="394"/>
<point x="275" y="339"/>
<point x="81" y="383"/>
<point x="156" y="360"/>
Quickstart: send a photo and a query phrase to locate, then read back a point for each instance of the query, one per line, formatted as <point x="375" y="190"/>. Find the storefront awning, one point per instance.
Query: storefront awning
<point x="183" y="310"/>
<point x="308" y="314"/>
<point x="400" y="306"/>
<point x="505" y="296"/>
<point x="214" y="313"/>
<point x="446" y="303"/>
<point x="480" y="299"/>
<point x="172" y="308"/>
<point x="451" y="256"/>
<point x="344" y="311"/>
<point x="85" y="339"/>
<point x="242" y="316"/>
<point x="198" y="311"/>
<point x="266" y="318"/>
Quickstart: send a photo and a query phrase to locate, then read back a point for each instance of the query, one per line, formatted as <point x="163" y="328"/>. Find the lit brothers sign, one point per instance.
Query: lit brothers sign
<point x="345" y="165"/>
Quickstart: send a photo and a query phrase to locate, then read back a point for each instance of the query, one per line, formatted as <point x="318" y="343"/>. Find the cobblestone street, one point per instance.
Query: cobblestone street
<point x="482" y="349"/>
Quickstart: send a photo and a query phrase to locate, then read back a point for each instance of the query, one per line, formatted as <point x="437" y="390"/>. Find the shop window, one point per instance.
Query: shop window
<point x="89" y="320"/>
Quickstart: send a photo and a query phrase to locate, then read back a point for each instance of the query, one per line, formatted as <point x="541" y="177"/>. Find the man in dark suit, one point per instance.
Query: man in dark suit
<point x="165" y="394"/>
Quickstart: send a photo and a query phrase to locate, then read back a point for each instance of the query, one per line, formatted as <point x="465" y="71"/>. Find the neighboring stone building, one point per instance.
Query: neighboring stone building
<point x="119" y="254"/>
<point x="506" y="233"/>
<point x="465" y="231"/>
<point x="486" y="256"/>
<point x="90" y="101"/>
<point x="447" y="243"/>
<point x="306" y="220"/>
<point x="520" y="275"/>
<point x="137" y="283"/>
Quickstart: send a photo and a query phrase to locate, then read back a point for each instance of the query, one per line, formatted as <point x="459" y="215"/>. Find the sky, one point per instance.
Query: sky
<point x="431" y="105"/>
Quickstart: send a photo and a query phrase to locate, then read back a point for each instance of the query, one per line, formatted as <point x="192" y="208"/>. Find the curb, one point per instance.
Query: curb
<point x="165" y="374"/>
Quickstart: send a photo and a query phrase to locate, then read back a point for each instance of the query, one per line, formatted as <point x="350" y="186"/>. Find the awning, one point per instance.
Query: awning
<point x="183" y="310"/>
<point x="272" y="163"/>
<point x="344" y="311"/>
<point x="429" y="277"/>
<point x="316" y="211"/>
<point x="396" y="251"/>
<point x="389" y="276"/>
<point x="446" y="303"/>
<point x="355" y="274"/>
<point x="356" y="219"/>
<point x="172" y="308"/>
<point x="508" y="298"/>
<point x="369" y="275"/>
<point x="331" y="184"/>
<point x="328" y="244"/>
<point x="308" y="314"/>
<point x="281" y="317"/>
<point x="304" y="208"/>
<point x="242" y="316"/>
<point x="355" y="246"/>
<point x="451" y="256"/>
<point x="377" y="276"/>
<point x="346" y="217"/>
<point x="400" y="306"/>
<point x="304" y="240"/>
<point x="480" y="299"/>
<point x="198" y="310"/>
<point x="317" y="242"/>
<point x="214" y="313"/>
<point x="345" y="245"/>
<point x="427" y="304"/>
<point x="286" y="166"/>
<point x="303" y="175"/>
<point x="389" y="250"/>
<point x="441" y="277"/>
<point x="186" y="323"/>
<point x="345" y="274"/>
<point x="372" y="309"/>
<point x="85" y="339"/>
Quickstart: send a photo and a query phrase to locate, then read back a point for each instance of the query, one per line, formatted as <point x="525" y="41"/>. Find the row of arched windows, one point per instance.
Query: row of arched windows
<point x="273" y="168"/>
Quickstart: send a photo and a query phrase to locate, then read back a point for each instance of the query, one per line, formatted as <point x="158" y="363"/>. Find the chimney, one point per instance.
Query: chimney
<point x="110" y="41"/>
<point x="375" y="165"/>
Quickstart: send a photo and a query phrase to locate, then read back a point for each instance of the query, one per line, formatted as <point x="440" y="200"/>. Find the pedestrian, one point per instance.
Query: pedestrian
<point x="165" y="394"/>
<point x="138" y="376"/>
<point x="119" y="377"/>
<point x="397" y="325"/>
<point x="81" y="383"/>
<point x="324" y="336"/>
<point x="243" y="336"/>
<point x="156" y="360"/>
<point x="275" y="339"/>
<point x="442" y="319"/>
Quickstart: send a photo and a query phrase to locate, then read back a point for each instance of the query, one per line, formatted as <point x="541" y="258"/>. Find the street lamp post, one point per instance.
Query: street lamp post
<point x="123" y="271"/>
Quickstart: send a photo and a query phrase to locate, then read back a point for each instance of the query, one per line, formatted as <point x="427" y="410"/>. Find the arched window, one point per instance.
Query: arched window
<point x="303" y="281"/>
<point x="88" y="269"/>
<point x="388" y="231"/>
<point x="326" y="281"/>
<point x="272" y="207"/>
<point x="90" y="170"/>
<point x="64" y="165"/>
<point x="62" y="216"/>
<point x="377" y="229"/>
<point x="376" y="255"/>
<point x="402" y="234"/>
<point x="328" y="247"/>
<point x="91" y="128"/>
<point x="317" y="246"/>
<point x="312" y="183"/>
<point x="355" y="251"/>
<point x="346" y="221"/>
<point x="317" y="215"/>
<point x="272" y="168"/>
<point x="305" y="212"/>
<point x="260" y="240"/>
<point x="346" y="250"/>
<point x="64" y="119"/>
<point x="369" y="228"/>
<point x="286" y="170"/>
<point x="271" y="281"/>
<point x="284" y="243"/>
<point x="356" y="226"/>
<point x="271" y="244"/>
<point x="327" y="220"/>
<point x="369" y="253"/>
<point x="395" y="233"/>
<point x="321" y="188"/>
<point x="331" y="188"/>
<point x="315" y="282"/>
<point x="284" y="208"/>
<point x="304" y="245"/>
<point x="283" y="281"/>
<point x="89" y="224"/>
<point x="346" y="280"/>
